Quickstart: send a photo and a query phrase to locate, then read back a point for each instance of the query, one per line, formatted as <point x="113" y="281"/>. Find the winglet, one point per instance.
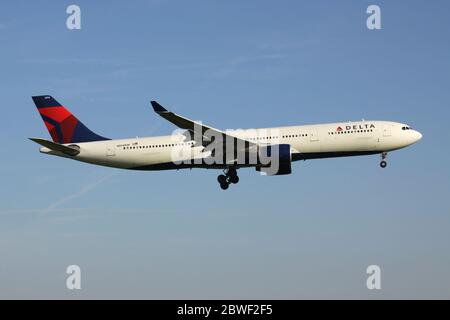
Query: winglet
<point x="157" y="107"/>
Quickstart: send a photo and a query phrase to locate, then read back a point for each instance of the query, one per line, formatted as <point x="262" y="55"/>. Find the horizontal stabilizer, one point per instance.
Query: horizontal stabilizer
<point x="69" y="150"/>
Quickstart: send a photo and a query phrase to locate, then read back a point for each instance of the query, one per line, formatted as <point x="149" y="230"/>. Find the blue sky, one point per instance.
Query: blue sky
<point x="231" y="64"/>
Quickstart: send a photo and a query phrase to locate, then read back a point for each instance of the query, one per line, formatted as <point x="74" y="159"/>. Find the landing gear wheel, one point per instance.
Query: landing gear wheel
<point x="383" y="162"/>
<point x="222" y="179"/>
<point x="224" y="186"/>
<point x="229" y="176"/>
<point x="234" y="179"/>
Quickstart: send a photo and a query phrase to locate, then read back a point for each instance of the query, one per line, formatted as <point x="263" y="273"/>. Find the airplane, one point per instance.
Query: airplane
<point x="195" y="145"/>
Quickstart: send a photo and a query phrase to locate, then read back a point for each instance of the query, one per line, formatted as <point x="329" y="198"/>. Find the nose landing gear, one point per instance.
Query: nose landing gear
<point x="229" y="176"/>
<point x="383" y="162"/>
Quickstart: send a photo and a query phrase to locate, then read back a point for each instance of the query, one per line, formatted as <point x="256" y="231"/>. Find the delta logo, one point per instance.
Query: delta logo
<point x="356" y="127"/>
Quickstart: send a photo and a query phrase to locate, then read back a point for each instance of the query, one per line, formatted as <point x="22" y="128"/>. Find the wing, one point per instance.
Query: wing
<point x="195" y="127"/>
<point x="205" y="136"/>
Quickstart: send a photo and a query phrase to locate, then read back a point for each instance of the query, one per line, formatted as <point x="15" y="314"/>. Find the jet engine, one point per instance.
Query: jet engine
<point x="274" y="159"/>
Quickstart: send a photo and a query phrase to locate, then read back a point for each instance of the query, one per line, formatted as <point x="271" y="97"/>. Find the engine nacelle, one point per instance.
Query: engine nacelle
<point x="275" y="159"/>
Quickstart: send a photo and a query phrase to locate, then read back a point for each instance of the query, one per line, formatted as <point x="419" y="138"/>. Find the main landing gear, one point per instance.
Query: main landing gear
<point x="383" y="162"/>
<point x="229" y="176"/>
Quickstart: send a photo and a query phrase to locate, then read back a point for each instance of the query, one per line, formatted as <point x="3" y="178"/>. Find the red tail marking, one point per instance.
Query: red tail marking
<point x="68" y="128"/>
<point x="52" y="131"/>
<point x="56" y="113"/>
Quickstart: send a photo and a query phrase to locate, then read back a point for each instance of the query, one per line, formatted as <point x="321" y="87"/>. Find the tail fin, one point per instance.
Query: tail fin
<point x="62" y="125"/>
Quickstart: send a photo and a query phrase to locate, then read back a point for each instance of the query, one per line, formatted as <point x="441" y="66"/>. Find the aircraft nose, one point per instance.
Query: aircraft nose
<point x="418" y="136"/>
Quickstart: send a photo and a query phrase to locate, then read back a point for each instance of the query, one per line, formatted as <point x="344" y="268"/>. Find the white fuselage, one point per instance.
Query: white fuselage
<point x="306" y="141"/>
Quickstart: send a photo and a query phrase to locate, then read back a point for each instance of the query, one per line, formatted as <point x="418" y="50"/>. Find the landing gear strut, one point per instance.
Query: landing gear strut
<point x="229" y="176"/>
<point x="383" y="162"/>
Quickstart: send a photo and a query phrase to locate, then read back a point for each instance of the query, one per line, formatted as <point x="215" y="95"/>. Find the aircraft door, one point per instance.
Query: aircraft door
<point x="313" y="136"/>
<point x="110" y="150"/>
<point x="314" y="143"/>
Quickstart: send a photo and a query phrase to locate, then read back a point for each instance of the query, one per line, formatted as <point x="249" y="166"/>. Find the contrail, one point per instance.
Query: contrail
<point x="84" y="189"/>
<point x="78" y="194"/>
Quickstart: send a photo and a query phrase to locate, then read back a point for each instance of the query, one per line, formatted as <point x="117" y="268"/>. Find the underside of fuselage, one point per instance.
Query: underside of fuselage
<point x="204" y="165"/>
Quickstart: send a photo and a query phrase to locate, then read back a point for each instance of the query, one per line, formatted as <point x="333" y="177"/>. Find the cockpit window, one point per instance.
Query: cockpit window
<point x="406" y="128"/>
